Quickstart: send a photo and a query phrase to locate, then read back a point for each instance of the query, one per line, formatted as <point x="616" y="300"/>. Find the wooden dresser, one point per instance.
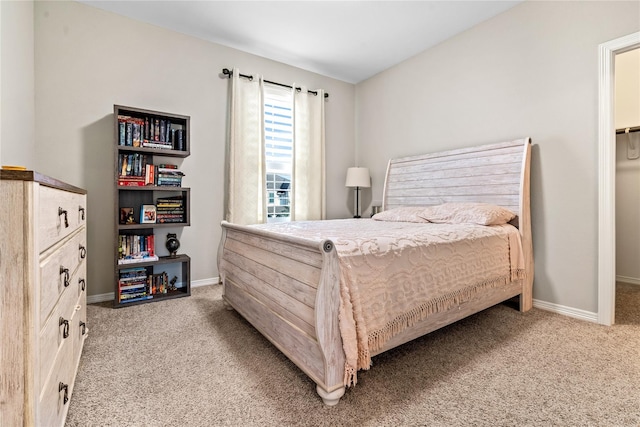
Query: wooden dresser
<point x="43" y="264"/>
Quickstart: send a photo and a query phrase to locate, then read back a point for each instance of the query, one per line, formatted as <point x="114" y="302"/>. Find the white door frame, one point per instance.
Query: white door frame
<point x="607" y="175"/>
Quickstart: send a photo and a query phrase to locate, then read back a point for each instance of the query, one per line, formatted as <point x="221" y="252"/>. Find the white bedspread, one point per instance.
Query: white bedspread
<point x="394" y="274"/>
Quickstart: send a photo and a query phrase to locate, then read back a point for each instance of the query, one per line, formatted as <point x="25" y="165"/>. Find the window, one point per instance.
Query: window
<point x="278" y="135"/>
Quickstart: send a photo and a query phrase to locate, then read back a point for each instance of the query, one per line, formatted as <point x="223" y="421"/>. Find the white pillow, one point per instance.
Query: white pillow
<point x="403" y="214"/>
<point x="470" y="213"/>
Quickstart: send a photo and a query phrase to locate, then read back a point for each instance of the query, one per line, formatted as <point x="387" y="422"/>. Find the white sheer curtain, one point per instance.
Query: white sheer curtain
<point x="309" y="200"/>
<point x="245" y="201"/>
<point x="246" y="194"/>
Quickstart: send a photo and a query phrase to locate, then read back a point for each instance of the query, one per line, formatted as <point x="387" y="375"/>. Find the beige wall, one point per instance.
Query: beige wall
<point x="17" y="103"/>
<point x="88" y="59"/>
<point x="531" y="71"/>
<point x="627" y="114"/>
<point x="627" y="92"/>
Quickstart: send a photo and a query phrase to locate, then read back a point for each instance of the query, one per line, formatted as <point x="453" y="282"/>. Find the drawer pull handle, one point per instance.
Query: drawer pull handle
<point x="65" y="387"/>
<point x="83" y="326"/>
<point x="83" y="252"/>
<point x="65" y="329"/>
<point x="81" y="210"/>
<point x="65" y="271"/>
<point x="66" y="220"/>
<point x="82" y="283"/>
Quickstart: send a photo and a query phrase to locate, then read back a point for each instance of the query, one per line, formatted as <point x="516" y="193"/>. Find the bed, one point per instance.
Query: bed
<point x="332" y="294"/>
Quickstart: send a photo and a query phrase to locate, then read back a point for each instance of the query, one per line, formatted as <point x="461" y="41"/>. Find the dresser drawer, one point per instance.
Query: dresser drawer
<point x="80" y="282"/>
<point x="46" y="245"/>
<point x="61" y="213"/>
<point x="56" y="271"/>
<point x="79" y="329"/>
<point x="63" y="321"/>
<point x="55" y="395"/>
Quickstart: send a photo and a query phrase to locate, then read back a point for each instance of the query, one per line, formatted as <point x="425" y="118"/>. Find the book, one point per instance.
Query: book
<point x="150" y="175"/>
<point x="179" y="140"/>
<point x="170" y="172"/>
<point x="136" y="299"/>
<point x="122" y="164"/>
<point x="131" y="183"/>
<point x="151" y="245"/>
<point x="133" y="259"/>
<point x="156" y="144"/>
<point x="132" y="281"/>
<point x="122" y="128"/>
<point x="163" y="130"/>
<point x="147" y="214"/>
<point x="171" y="220"/>
<point x="168" y="210"/>
<point x="135" y="134"/>
<point x="170" y="198"/>
<point x="165" y="180"/>
<point x="129" y="133"/>
<point x="133" y="271"/>
<point x="168" y="132"/>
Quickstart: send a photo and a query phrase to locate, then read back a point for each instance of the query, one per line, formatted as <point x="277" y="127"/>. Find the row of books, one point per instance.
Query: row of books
<point x="134" y="170"/>
<point x="170" y="210"/>
<point x="133" y="164"/>
<point x="136" y="284"/>
<point x="132" y="284"/>
<point x="134" y="248"/>
<point x="166" y="175"/>
<point x="150" y="132"/>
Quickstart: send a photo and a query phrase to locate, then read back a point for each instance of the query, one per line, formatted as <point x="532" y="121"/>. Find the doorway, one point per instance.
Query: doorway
<point x="607" y="169"/>
<point x="627" y="187"/>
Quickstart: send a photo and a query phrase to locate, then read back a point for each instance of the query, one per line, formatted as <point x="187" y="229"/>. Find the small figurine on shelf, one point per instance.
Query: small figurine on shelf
<point x="172" y="283"/>
<point x="172" y="244"/>
<point x="126" y="216"/>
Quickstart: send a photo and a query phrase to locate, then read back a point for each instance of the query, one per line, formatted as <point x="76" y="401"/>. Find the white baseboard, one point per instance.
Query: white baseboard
<point x="630" y="280"/>
<point x="205" y="282"/>
<point x="567" y="311"/>
<point x="543" y="305"/>
<point x="92" y="299"/>
<point x="109" y="296"/>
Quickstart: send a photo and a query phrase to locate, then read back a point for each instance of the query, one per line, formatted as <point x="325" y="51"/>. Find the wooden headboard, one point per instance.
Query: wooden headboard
<point x="493" y="173"/>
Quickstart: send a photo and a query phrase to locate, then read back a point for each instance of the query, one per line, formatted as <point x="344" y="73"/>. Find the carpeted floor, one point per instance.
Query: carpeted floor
<point x="190" y="362"/>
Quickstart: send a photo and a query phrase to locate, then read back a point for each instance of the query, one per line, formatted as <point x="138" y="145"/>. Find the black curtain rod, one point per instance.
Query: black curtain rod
<point x="227" y="72"/>
<point x="624" y="130"/>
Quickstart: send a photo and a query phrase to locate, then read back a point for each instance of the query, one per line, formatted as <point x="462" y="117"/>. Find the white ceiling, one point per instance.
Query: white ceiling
<point x="347" y="40"/>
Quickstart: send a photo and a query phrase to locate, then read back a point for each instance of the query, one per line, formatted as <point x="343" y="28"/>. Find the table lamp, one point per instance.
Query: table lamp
<point x="358" y="178"/>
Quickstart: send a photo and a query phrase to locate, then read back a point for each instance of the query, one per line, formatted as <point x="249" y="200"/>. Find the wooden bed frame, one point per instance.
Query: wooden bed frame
<point x="288" y="288"/>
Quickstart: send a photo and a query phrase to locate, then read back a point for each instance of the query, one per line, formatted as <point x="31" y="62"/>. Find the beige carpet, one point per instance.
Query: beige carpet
<point x="190" y="362"/>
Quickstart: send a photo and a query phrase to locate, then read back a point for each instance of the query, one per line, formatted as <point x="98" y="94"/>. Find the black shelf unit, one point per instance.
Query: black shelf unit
<point x="133" y="196"/>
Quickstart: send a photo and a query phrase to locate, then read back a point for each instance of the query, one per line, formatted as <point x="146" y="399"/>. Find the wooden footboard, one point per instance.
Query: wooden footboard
<point x="288" y="289"/>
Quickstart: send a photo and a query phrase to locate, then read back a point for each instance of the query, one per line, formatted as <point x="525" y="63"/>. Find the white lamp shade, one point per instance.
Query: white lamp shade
<point x="358" y="177"/>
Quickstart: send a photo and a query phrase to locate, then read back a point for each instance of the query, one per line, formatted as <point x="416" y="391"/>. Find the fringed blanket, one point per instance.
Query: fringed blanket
<point x="394" y="274"/>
